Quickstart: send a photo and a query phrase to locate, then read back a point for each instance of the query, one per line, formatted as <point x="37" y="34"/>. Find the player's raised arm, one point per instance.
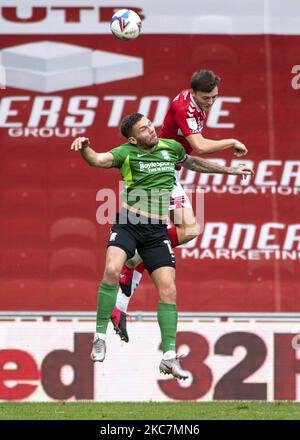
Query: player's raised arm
<point x="205" y="166"/>
<point x="101" y="160"/>
<point x="202" y="145"/>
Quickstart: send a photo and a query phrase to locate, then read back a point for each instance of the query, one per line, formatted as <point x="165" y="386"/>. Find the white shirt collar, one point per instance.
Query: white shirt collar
<point x="195" y="104"/>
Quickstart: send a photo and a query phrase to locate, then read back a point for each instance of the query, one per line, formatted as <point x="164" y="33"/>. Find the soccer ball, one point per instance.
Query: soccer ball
<point x="125" y="24"/>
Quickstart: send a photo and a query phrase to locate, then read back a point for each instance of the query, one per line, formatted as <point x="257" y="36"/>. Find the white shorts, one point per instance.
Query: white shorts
<point x="179" y="198"/>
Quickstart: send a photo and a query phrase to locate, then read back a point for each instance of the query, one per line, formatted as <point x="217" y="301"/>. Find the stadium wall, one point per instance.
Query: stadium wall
<point x="52" y="248"/>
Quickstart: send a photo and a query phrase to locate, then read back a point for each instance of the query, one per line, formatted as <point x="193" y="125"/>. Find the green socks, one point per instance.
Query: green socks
<point x="166" y="315"/>
<point x="107" y="295"/>
<point x="167" y="319"/>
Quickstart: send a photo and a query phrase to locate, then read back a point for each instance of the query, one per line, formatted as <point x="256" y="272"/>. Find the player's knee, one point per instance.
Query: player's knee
<point x="111" y="273"/>
<point x="191" y="232"/>
<point x="167" y="293"/>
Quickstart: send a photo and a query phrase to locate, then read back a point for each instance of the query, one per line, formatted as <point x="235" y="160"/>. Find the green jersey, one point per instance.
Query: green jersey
<point x="149" y="177"/>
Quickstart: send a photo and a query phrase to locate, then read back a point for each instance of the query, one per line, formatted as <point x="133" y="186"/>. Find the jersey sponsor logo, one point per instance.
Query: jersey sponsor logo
<point x="153" y="167"/>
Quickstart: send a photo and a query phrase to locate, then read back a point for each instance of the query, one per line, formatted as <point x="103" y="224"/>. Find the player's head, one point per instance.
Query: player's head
<point x="139" y="130"/>
<point x="204" y="88"/>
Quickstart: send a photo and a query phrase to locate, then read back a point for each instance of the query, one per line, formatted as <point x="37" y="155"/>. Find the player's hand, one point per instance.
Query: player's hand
<point x="244" y="172"/>
<point x="80" y="143"/>
<point x="239" y="149"/>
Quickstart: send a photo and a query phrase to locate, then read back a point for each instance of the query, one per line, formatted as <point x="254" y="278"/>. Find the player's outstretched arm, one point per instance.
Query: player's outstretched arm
<point x="202" y="145"/>
<point x="101" y="160"/>
<point x="205" y="166"/>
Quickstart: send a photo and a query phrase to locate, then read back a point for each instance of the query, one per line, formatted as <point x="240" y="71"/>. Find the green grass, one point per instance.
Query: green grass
<point x="150" y="411"/>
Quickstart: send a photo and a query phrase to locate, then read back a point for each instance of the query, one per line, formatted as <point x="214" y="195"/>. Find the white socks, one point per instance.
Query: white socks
<point x="101" y="336"/>
<point x="122" y="301"/>
<point x="169" y="355"/>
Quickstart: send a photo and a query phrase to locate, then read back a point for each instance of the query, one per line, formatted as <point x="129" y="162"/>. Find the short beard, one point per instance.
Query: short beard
<point x="148" y="146"/>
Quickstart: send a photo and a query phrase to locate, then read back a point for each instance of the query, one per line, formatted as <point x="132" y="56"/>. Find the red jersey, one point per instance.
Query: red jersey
<point x="183" y="118"/>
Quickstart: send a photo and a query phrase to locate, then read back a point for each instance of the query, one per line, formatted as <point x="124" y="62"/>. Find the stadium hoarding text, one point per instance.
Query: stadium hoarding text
<point x="90" y="17"/>
<point x="81" y="110"/>
<point x="261" y="241"/>
<point x="226" y="361"/>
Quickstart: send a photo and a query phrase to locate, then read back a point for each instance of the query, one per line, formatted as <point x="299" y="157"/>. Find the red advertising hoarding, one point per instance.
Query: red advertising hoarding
<point x="225" y="361"/>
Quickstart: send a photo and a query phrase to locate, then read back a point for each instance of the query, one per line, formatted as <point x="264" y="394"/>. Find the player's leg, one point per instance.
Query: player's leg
<point x="107" y="294"/>
<point x="130" y="279"/>
<point x="185" y="224"/>
<point x="128" y="282"/>
<point x="159" y="260"/>
<point x="121" y="246"/>
<point x="164" y="280"/>
<point x="183" y="229"/>
<point x="132" y="271"/>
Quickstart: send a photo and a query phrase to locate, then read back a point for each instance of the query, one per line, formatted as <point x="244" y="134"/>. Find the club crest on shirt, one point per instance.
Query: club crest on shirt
<point x="195" y="126"/>
<point x="165" y="155"/>
<point x="192" y="123"/>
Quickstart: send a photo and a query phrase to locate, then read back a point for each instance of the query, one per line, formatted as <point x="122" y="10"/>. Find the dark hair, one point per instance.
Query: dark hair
<point x="204" y="81"/>
<point x="128" y="122"/>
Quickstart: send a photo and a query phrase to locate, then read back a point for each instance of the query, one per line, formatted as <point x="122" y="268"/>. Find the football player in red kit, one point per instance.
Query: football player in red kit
<point x="184" y="123"/>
